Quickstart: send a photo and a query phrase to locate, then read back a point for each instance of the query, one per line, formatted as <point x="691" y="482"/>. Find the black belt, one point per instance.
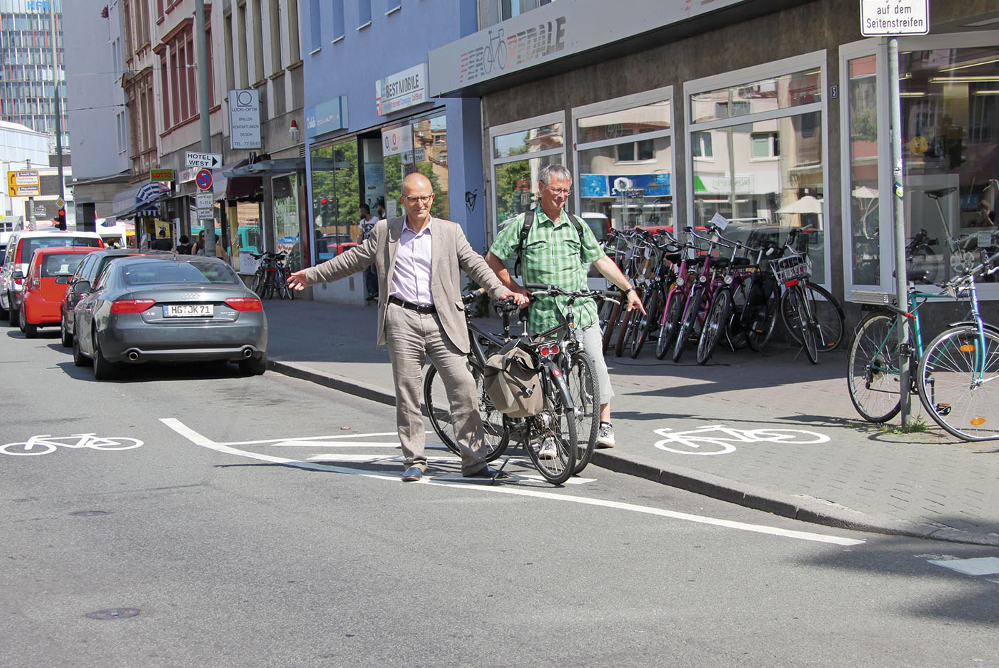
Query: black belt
<point x="425" y="310"/>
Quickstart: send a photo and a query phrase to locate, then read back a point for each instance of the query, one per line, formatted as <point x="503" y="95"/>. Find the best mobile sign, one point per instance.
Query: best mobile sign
<point x="880" y="18"/>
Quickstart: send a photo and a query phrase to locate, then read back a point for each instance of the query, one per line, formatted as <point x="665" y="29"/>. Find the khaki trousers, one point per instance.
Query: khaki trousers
<point x="412" y="337"/>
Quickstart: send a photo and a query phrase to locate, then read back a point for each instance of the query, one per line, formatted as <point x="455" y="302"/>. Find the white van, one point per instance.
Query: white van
<point x="20" y="247"/>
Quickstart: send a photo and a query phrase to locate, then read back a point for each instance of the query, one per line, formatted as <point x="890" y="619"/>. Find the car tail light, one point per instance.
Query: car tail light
<point x="245" y="303"/>
<point x="131" y="305"/>
<point x="18" y="281"/>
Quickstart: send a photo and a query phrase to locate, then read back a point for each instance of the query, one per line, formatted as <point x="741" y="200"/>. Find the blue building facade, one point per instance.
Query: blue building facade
<point x="369" y="121"/>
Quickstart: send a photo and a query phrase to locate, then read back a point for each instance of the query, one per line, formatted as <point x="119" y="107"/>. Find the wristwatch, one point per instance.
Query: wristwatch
<point x="631" y="289"/>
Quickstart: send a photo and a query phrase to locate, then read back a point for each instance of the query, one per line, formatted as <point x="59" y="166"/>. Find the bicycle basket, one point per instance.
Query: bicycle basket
<point x="791" y="267"/>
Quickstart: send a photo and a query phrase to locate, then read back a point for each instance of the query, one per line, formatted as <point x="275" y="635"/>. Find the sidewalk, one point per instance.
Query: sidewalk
<point x="841" y="471"/>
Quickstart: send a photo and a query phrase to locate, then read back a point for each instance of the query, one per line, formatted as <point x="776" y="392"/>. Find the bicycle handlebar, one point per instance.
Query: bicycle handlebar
<point x="555" y="291"/>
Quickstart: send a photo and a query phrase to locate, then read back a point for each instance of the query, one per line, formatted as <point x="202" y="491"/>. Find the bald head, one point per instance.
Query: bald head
<point x="416" y="181"/>
<point x="417" y="198"/>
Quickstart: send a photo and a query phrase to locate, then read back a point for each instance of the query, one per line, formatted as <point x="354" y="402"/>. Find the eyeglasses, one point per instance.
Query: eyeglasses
<point x="425" y="199"/>
<point x="562" y="192"/>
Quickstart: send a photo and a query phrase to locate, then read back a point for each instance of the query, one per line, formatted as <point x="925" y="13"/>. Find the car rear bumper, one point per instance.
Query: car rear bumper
<point x="40" y="312"/>
<point x="125" y="340"/>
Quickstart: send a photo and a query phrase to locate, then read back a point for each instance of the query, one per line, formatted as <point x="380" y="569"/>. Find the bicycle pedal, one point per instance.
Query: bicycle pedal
<point x="942" y="409"/>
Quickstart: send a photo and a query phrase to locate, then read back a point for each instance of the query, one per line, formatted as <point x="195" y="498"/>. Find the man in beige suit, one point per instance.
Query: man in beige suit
<point x="420" y="313"/>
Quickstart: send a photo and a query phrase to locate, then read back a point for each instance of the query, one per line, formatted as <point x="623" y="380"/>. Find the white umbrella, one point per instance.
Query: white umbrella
<point x="806" y="204"/>
<point x="863" y="192"/>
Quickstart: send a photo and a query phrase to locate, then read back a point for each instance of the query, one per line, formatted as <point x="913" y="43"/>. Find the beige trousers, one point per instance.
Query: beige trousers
<point x="411" y="337"/>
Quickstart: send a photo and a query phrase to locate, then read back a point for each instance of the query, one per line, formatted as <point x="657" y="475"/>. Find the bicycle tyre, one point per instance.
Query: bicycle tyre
<point x="801" y="320"/>
<point x="648" y="321"/>
<point x="828" y="318"/>
<point x="495" y="434"/>
<point x="116" y="443"/>
<point x="690" y="312"/>
<point x="964" y="406"/>
<point x="585" y="392"/>
<point x="762" y="317"/>
<point x="873" y="367"/>
<point x="610" y="325"/>
<point x="736" y="335"/>
<point x="671" y="322"/>
<point x="715" y="324"/>
<point x="623" y="328"/>
<point x="555" y="423"/>
<point x="258" y="284"/>
<point x="12" y="449"/>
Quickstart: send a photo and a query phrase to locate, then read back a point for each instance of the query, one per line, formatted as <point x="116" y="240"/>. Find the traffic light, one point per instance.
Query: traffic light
<point x="60" y="219"/>
<point x="325" y="210"/>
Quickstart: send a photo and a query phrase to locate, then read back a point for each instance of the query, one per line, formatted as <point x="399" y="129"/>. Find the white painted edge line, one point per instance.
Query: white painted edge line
<point x="205" y="442"/>
<point x="329" y="437"/>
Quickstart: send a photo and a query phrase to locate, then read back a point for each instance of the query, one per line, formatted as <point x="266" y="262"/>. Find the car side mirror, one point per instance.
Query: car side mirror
<point x="17" y="273"/>
<point x="81" y="287"/>
<point x="63" y="280"/>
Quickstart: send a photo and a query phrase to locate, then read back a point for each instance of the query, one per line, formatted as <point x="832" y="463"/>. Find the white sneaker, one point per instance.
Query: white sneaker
<point x="605" y="435"/>
<point x="548" y="450"/>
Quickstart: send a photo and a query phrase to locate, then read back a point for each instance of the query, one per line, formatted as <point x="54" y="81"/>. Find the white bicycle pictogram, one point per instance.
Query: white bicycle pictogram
<point x="44" y="444"/>
<point x="717" y="439"/>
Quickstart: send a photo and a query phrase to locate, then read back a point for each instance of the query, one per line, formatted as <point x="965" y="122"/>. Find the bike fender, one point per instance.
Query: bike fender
<point x="560" y="383"/>
<point x="972" y="323"/>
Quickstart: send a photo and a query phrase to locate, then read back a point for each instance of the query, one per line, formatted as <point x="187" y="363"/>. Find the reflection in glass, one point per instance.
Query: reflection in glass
<point x="542" y="138"/>
<point x="864" y="216"/>
<point x="286" y="228"/>
<point x="782" y="92"/>
<point x="627" y="193"/>
<point x="517" y="186"/>
<point x="623" y="123"/>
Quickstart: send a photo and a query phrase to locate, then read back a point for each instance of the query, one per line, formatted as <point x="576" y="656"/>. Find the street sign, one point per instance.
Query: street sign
<point x="204" y="179"/>
<point x="204" y="202"/>
<point x="879" y="18"/>
<point x="203" y="159"/>
<point x="23" y="183"/>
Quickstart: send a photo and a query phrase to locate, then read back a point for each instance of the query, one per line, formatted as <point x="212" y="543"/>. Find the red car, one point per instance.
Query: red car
<point x="45" y="285"/>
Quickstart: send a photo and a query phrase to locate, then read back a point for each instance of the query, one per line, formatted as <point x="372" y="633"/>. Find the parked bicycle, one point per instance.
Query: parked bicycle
<point x="955" y="375"/>
<point x="271" y="277"/>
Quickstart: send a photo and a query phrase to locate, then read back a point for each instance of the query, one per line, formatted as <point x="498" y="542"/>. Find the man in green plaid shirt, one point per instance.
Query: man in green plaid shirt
<point x="555" y="253"/>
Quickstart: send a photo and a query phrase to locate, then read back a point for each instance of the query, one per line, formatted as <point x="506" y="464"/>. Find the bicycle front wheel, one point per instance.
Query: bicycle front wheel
<point x="800" y="322"/>
<point x="585" y="393"/>
<point x="828" y="319"/>
<point x="552" y="438"/>
<point x="762" y="315"/>
<point x="714" y="325"/>
<point x="670" y="323"/>
<point x="494" y="429"/>
<point x="688" y="323"/>
<point x="873" y="367"/>
<point x="957" y="382"/>
<point x="647" y="321"/>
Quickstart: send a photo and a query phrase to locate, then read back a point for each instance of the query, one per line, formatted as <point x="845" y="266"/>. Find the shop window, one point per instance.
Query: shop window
<point x="767" y="174"/>
<point x="423" y="148"/>
<point x="287" y="231"/>
<point x="520" y="150"/>
<point x="862" y="226"/>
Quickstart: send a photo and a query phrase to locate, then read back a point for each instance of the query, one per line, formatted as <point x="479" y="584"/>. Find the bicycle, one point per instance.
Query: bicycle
<point x="271" y="276"/>
<point x="44" y="444"/>
<point x="954" y="374"/>
<point x="701" y="294"/>
<point x="666" y="256"/>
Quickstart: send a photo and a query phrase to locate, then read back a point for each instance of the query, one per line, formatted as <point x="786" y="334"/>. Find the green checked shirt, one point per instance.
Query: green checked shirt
<point x="552" y="255"/>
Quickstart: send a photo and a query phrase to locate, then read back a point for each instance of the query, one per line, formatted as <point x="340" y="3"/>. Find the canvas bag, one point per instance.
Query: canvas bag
<point x="512" y="382"/>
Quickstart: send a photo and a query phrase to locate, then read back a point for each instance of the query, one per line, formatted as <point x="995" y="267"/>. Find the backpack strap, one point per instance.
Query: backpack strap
<point x="525" y="229"/>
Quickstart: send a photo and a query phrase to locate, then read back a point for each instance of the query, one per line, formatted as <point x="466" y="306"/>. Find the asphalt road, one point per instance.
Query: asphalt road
<point x="262" y="522"/>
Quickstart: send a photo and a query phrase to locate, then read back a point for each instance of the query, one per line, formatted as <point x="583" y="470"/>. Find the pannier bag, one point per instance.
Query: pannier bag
<point x="512" y="382"/>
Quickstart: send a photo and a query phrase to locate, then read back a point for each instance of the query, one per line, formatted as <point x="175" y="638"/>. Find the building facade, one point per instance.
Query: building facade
<point x="773" y="114"/>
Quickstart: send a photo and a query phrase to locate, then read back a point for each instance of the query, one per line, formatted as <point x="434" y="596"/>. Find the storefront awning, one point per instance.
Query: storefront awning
<point x="140" y="201"/>
<point x="232" y="186"/>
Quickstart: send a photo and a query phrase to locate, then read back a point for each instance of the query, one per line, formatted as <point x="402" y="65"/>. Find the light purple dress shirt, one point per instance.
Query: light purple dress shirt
<point x="411" y="276"/>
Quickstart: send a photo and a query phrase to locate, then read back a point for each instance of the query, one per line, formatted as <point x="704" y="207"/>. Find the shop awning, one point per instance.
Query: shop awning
<point x="236" y="186"/>
<point x="140" y="201"/>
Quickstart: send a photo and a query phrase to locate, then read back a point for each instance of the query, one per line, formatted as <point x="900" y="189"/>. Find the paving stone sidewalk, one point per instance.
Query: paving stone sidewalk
<point x="798" y="447"/>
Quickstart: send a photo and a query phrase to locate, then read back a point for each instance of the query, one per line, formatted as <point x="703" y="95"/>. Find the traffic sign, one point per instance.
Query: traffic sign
<point x="894" y="17"/>
<point x="23" y="183"/>
<point x="204" y="179"/>
<point x="203" y="159"/>
<point x="204" y="201"/>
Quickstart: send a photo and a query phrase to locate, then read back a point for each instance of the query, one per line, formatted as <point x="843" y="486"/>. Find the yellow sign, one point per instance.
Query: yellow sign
<point x="161" y="175"/>
<point x="23" y="183"/>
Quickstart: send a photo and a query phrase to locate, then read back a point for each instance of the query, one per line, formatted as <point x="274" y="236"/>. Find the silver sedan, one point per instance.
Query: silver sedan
<point x="182" y="308"/>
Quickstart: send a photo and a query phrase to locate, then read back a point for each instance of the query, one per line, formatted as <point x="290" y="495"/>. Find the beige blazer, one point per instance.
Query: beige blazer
<point x="450" y="254"/>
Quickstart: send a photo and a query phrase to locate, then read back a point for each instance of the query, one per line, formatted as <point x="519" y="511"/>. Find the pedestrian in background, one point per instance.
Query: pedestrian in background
<point x="420" y="313"/>
<point x="185" y="247"/>
<point x="370" y="273"/>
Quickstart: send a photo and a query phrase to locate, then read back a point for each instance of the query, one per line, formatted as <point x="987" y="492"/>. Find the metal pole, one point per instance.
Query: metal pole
<point x="901" y="290"/>
<point x="201" y="44"/>
<point x="58" y="107"/>
<point x="29" y="214"/>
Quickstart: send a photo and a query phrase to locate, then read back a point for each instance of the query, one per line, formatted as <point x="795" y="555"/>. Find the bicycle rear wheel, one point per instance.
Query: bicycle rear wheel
<point x="496" y="436"/>
<point x="736" y="335"/>
<point x="611" y="324"/>
<point x="671" y="322"/>
<point x="715" y="325"/>
<point x="764" y="301"/>
<point x="828" y="319"/>
<point x="873" y="367"/>
<point x="586" y="401"/>
<point x="800" y="322"/>
<point x="957" y="382"/>
<point x="647" y="322"/>
<point x="554" y="427"/>
<point x="688" y="322"/>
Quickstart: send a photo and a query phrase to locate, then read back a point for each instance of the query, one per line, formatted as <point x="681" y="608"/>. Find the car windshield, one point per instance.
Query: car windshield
<point x="179" y="273"/>
<point x="62" y="264"/>
<point x="34" y="243"/>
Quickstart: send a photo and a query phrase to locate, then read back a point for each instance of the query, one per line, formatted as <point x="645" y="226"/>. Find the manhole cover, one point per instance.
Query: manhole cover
<point x="114" y="613"/>
<point x="89" y="513"/>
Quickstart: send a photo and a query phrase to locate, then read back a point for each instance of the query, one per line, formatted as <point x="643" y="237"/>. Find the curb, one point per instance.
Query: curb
<point x="805" y="509"/>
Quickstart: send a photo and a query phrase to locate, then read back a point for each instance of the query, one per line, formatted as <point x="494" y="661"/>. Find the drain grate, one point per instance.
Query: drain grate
<point x="114" y="613"/>
<point x="89" y="513"/>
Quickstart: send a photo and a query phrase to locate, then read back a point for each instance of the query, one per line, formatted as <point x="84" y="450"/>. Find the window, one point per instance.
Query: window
<point x="258" y="42"/>
<point x="338" y="20"/>
<point x="274" y="17"/>
<point x="624" y="159"/>
<point x="363" y="13"/>
<point x="392" y="6"/>
<point x="764" y="145"/>
<point x="315" y="26"/>
<point x="244" y="78"/>
<point x="510" y="8"/>
<point x="700" y="145"/>
<point x="294" y="48"/>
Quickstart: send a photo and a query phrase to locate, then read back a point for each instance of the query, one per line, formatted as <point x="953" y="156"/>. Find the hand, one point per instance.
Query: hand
<point x="634" y="301"/>
<point x="297" y="281"/>
<point x="518" y="298"/>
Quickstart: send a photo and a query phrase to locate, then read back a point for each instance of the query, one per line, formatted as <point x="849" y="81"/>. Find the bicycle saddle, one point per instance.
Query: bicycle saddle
<point x="940" y="192"/>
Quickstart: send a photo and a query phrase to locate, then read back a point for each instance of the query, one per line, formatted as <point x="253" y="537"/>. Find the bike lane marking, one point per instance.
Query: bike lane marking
<point x="484" y="486"/>
<point x="723" y="443"/>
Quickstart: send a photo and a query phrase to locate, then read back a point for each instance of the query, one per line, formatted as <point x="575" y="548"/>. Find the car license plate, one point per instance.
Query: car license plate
<point x="188" y="310"/>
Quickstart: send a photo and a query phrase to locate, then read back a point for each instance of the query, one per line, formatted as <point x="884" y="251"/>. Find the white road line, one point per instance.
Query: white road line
<point x="205" y="442"/>
<point x="331" y="437"/>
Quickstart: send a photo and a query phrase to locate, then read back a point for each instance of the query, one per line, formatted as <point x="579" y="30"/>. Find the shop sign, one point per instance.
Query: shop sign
<point x="244" y="119"/>
<point x="326" y="116"/>
<point x="161" y="175"/>
<point x="604" y="185"/>
<point x="401" y="90"/>
<point x="397" y="140"/>
<point x="879" y="18"/>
